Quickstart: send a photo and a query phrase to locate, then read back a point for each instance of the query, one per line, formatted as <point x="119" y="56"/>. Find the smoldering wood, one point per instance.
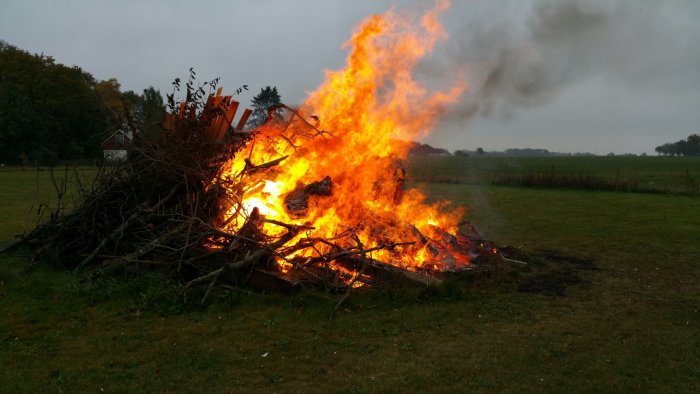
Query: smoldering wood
<point x="296" y="202"/>
<point x="378" y="272"/>
<point x="251" y="168"/>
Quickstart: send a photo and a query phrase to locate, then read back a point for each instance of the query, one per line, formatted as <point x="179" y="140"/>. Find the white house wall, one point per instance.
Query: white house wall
<point x="114" y="154"/>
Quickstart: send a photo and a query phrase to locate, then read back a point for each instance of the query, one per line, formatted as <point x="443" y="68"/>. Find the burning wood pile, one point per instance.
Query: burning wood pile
<point x="314" y="197"/>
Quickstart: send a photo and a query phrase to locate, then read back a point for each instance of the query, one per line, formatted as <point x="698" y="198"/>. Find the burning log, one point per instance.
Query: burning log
<point x="376" y="272"/>
<point x="252" y="168"/>
<point x="391" y="182"/>
<point x="296" y="202"/>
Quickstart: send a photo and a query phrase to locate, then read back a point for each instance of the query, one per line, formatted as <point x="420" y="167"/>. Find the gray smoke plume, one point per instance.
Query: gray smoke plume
<point x="526" y="59"/>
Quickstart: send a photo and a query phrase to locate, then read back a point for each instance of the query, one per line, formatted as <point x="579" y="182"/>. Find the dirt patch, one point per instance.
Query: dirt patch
<point x="573" y="262"/>
<point x="549" y="273"/>
<point x="549" y="283"/>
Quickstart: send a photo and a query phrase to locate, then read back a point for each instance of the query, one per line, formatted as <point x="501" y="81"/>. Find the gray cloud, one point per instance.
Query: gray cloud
<point x="568" y="75"/>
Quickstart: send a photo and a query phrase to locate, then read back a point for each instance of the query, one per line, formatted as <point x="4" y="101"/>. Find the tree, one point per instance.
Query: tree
<point x="21" y="125"/>
<point x="145" y="111"/>
<point x="686" y="147"/>
<point x="692" y="145"/>
<point x="153" y="109"/>
<point x="268" y="97"/>
<point x="48" y="111"/>
<point x="132" y="106"/>
<point x="480" y="151"/>
<point x="111" y="99"/>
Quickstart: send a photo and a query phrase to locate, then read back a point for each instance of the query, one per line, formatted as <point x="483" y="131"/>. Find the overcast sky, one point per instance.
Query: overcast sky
<point x="568" y="76"/>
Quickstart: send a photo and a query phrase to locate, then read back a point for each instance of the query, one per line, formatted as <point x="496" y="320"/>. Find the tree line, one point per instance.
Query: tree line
<point x="686" y="147"/>
<point x="51" y="112"/>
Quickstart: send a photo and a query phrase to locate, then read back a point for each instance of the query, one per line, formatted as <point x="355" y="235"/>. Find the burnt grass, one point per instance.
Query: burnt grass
<point x="548" y="273"/>
<point x="545" y="273"/>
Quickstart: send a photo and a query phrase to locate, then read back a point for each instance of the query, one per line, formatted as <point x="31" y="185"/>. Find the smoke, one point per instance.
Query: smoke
<point x="527" y="58"/>
<point x="531" y="72"/>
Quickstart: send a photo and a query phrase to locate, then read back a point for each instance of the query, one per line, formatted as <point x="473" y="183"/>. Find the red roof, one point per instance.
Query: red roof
<point x="117" y="141"/>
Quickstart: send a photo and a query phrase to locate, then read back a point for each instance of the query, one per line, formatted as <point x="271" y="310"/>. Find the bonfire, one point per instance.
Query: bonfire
<point x="314" y="197"/>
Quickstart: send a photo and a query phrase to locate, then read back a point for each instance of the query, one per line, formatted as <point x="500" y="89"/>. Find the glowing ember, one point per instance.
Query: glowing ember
<point x="344" y="176"/>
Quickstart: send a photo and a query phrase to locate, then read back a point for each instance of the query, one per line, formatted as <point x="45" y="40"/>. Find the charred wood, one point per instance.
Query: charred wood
<point x="296" y="202"/>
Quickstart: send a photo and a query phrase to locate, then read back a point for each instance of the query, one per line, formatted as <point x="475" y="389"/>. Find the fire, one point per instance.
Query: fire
<point x="340" y="173"/>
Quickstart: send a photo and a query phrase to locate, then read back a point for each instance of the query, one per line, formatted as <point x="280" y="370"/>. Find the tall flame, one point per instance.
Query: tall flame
<point x="365" y="111"/>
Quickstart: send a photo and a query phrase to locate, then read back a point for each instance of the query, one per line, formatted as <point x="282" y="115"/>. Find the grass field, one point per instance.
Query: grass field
<point x="26" y="196"/>
<point x="609" y="302"/>
<point x="658" y="174"/>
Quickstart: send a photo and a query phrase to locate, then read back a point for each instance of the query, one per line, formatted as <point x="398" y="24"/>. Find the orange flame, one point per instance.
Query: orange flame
<point x="368" y="109"/>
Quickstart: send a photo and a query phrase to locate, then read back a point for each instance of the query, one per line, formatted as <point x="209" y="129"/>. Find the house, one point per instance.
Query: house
<point x="116" y="145"/>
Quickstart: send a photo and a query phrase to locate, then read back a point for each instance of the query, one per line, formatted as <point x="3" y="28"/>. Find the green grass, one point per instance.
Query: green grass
<point x="27" y="196"/>
<point x="630" y="324"/>
<point x="663" y="174"/>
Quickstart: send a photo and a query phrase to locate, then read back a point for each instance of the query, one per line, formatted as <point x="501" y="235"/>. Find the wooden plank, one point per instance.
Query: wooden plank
<point x="213" y="128"/>
<point x="183" y="107"/>
<point x="216" y="132"/>
<point x="169" y="122"/>
<point x="226" y="121"/>
<point x="217" y="101"/>
<point x="209" y="104"/>
<point x="243" y="120"/>
<point x="222" y="104"/>
<point x="208" y="110"/>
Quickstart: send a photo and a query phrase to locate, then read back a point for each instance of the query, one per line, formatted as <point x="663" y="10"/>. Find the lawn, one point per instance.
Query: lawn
<point x="608" y="303"/>
<point x="661" y="174"/>
<point x="26" y="196"/>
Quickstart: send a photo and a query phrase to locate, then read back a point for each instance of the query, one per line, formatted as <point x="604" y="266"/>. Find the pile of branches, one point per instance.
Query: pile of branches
<point x="156" y="208"/>
<point x="165" y="207"/>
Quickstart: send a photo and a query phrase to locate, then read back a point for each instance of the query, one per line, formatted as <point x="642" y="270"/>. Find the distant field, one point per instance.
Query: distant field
<point x="608" y="303"/>
<point x="662" y="174"/>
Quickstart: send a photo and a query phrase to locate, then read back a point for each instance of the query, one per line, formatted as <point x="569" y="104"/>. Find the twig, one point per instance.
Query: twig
<point x="13" y="244"/>
<point x="514" y="261"/>
<point x="355" y="278"/>
<point x="119" y="230"/>
<point x="295" y="112"/>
